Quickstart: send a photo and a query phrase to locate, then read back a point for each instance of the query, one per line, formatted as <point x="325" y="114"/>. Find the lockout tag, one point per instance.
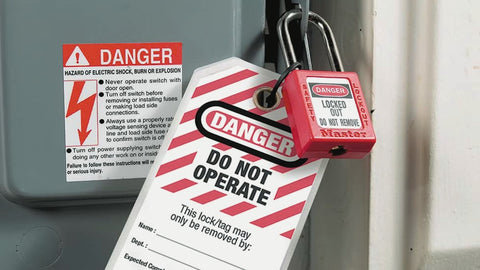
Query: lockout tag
<point x="227" y="190"/>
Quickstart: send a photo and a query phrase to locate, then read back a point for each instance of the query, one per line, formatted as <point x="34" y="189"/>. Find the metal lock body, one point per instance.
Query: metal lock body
<point x="326" y="109"/>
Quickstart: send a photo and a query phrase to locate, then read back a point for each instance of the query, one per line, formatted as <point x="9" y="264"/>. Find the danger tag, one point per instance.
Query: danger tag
<point x="227" y="190"/>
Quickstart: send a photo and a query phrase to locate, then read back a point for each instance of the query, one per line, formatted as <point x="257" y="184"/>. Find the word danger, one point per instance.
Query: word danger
<point x="330" y="90"/>
<point x="141" y="56"/>
<point x="232" y="184"/>
<point x="251" y="133"/>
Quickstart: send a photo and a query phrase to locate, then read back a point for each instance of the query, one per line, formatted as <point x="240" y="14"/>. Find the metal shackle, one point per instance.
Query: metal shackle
<point x="287" y="49"/>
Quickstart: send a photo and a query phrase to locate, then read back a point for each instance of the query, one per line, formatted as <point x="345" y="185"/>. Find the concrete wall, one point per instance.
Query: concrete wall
<point x="425" y="181"/>
<point x="415" y="203"/>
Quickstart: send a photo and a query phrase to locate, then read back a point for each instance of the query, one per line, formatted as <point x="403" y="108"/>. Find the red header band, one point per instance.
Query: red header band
<point x="122" y="54"/>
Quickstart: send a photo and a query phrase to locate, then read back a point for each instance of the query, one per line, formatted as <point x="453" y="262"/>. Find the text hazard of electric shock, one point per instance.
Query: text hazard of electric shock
<point x="120" y="98"/>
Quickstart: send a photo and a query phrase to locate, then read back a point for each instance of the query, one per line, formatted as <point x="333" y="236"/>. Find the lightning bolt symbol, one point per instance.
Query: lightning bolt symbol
<point x="85" y="107"/>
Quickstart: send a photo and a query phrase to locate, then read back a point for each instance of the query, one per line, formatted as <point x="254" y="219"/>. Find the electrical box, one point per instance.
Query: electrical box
<point x="44" y="43"/>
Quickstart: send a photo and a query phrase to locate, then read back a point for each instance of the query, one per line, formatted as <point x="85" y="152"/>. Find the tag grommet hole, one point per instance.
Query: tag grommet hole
<point x="337" y="150"/>
<point x="263" y="101"/>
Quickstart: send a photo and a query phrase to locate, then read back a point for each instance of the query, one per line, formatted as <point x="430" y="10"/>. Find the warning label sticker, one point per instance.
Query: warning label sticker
<point x="120" y="100"/>
<point x="333" y="103"/>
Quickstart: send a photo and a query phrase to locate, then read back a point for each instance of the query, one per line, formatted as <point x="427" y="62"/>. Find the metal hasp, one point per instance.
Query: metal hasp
<point x="287" y="46"/>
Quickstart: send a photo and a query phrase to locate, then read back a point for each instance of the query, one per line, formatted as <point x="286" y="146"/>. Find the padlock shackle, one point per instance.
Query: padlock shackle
<point x="283" y="22"/>
<point x="327" y="33"/>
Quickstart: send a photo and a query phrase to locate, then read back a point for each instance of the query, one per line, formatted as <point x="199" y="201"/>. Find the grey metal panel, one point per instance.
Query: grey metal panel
<point x="67" y="238"/>
<point x="32" y="34"/>
<point x="31" y="113"/>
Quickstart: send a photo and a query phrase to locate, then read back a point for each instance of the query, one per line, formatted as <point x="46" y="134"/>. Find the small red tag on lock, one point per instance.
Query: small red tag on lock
<point x="328" y="114"/>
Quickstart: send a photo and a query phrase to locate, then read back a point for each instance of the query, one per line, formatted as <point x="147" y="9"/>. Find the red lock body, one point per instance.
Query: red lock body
<point x="328" y="114"/>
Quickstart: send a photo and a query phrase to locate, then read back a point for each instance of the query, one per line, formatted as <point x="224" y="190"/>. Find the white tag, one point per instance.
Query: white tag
<point x="227" y="190"/>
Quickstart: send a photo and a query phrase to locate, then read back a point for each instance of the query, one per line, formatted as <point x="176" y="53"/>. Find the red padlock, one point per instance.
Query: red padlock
<point x="327" y="110"/>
